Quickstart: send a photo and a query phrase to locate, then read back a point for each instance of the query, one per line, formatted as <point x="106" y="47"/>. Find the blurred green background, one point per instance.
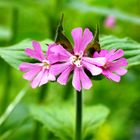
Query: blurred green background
<point x="38" y="19"/>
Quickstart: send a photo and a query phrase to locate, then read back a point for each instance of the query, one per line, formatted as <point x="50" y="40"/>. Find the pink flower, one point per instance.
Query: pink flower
<point x="110" y="22"/>
<point x="113" y="67"/>
<point x="76" y="61"/>
<point x="38" y="73"/>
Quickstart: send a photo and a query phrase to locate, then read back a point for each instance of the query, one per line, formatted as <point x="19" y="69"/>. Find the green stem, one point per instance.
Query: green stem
<point x="13" y="105"/>
<point x="78" y="127"/>
<point x="7" y="86"/>
<point x="5" y="99"/>
<point x="42" y="93"/>
<point x="69" y="88"/>
<point x="41" y="98"/>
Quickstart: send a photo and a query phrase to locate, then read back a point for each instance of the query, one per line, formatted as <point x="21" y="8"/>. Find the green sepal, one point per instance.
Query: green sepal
<point x="94" y="45"/>
<point x="60" y="38"/>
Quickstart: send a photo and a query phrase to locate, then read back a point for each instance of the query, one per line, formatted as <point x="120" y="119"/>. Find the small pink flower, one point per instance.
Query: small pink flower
<point x="113" y="67"/>
<point x="110" y="22"/>
<point x="76" y="61"/>
<point x="38" y="73"/>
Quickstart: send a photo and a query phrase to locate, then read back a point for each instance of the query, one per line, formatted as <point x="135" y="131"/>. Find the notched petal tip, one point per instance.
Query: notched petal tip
<point x="77" y="30"/>
<point x="35" y="43"/>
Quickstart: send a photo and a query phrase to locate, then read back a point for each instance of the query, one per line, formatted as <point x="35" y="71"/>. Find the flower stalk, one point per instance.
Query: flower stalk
<point x="78" y="126"/>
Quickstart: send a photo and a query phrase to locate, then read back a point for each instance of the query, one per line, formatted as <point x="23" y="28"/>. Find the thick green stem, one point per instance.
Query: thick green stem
<point x="78" y="127"/>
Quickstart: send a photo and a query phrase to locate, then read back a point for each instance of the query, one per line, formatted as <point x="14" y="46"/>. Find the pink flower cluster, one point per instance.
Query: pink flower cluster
<point x="61" y="63"/>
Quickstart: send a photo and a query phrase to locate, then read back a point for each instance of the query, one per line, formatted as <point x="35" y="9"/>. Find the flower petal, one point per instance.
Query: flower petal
<point x="63" y="78"/>
<point x="120" y="63"/>
<point x="24" y="67"/>
<point x="47" y="76"/>
<point x="119" y="53"/>
<point x="85" y="81"/>
<point x="111" y="75"/>
<point x="51" y="77"/>
<point x="96" y="54"/>
<point x="99" y="61"/>
<point x="36" y="81"/>
<point x="44" y="79"/>
<point x="77" y="36"/>
<point x="36" y="52"/>
<point x="103" y="53"/>
<point x="119" y="71"/>
<point x="92" y="68"/>
<point x="76" y="79"/>
<point x="110" y="53"/>
<point x="31" y="73"/>
<point x="56" y="53"/>
<point x="58" y="68"/>
<point x="38" y="49"/>
<point x="81" y="41"/>
<point x="86" y="39"/>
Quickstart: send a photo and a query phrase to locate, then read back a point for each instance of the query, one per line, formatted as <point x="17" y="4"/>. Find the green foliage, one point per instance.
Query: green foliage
<point x="5" y="33"/>
<point x="83" y="7"/>
<point x="131" y="48"/>
<point x="12" y="123"/>
<point x="38" y="20"/>
<point x="14" y="55"/>
<point x="60" y="120"/>
<point x="9" y="118"/>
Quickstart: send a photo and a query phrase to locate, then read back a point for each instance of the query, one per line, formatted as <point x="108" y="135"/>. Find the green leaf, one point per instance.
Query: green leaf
<point x="14" y="55"/>
<point x="94" y="116"/>
<point x="60" y="120"/>
<point x="9" y="118"/>
<point x="131" y="48"/>
<point x="5" y="33"/>
<point x="13" y="122"/>
<point x="13" y="104"/>
<point x="61" y="38"/>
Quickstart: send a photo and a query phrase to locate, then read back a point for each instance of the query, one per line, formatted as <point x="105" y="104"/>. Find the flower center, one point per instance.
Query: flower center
<point x="105" y="65"/>
<point x="46" y="64"/>
<point x="76" y="60"/>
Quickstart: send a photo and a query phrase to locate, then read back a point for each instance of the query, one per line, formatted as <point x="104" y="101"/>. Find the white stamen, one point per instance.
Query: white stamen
<point x="76" y="60"/>
<point x="46" y="64"/>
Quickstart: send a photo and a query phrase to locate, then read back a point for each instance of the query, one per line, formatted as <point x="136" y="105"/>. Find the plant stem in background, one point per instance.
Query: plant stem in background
<point x="78" y="127"/>
<point x="41" y="97"/>
<point x="13" y="105"/>
<point x="6" y="93"/>
<point x="68" y="88"/>
<point x="42" y="93"/>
